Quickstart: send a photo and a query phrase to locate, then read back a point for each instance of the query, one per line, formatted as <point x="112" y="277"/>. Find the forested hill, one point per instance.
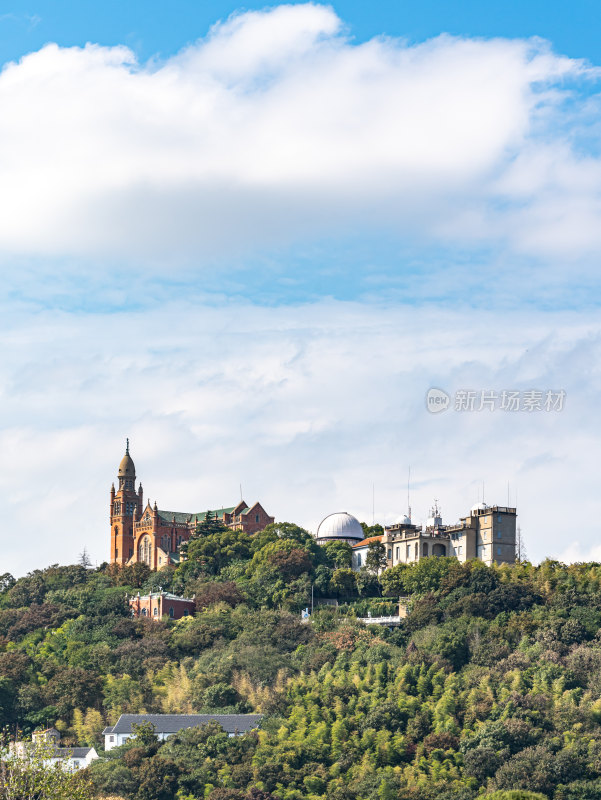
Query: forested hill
<point x="492" y="683"/>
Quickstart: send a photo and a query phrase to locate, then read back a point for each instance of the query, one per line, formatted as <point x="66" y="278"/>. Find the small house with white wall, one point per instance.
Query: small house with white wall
<point x="166" y="725"/>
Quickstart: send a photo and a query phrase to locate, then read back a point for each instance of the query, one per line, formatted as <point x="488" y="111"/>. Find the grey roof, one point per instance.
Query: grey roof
<point x="172" y="723"/>
<point x="71" y="752"/>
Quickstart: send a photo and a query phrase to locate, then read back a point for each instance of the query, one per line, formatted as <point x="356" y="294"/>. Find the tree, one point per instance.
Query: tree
<point x="520" y="546"/>
<point x="158" y="779"/>
<point x="284" y="530"/>
<point x="344" y="582"/>
<point x="368" y="584"/>
<point x="220" y="695"/>
<point x="375" y="560"/>
<point x="28" y="775"/>
<point x="392" y="581"/>
<point x="84" y="559"/>
<point x="208" y="594"/>
<point x="210" y="525"/>
<point x="143" y="734"/>
<point x="211" y="550"/>
<point x="428" y="574"/>
<point x="88" y="727"/>
<point x="6" y="582"/>
<point x="73" y="688"/>
<point x="514" y="794"/>
<point x="338" y="554"/>
<point x="372" y="530"/>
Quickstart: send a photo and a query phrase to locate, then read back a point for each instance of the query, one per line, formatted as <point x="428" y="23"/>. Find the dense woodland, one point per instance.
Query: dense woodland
<point x="492" y="683"/>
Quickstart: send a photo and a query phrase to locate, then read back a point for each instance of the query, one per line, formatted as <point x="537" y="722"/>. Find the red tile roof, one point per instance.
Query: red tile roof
<point x="368" y="541"/>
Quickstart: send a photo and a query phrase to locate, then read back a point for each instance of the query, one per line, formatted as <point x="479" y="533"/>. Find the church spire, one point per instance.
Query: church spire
<point x="127" y="470"/>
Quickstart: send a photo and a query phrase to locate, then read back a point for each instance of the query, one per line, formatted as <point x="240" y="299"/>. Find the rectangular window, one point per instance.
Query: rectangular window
<point x="460" y="549"/>
<point x="358" y="559"/>
<point x="498" y="533"/>
<point x="389" y="555"/>
<point x="498" y="551"/>
<point x="398" y="553"/>
<point x="156" y="612"/>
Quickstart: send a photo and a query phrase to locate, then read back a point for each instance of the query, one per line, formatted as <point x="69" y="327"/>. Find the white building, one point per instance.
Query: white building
<point x="47" y="744"/>
<point x="166" y="725"/>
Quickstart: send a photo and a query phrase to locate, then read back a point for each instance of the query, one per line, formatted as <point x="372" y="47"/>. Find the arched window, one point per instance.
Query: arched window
<point x="171" y="612"/>
<point x="425" y="549"/>
<point x="143" y="612"/>
<point x="144" y="550"/>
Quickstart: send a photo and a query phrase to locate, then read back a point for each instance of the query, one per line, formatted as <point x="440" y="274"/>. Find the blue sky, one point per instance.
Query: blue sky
<point x="151" y="26"/>
<point x="251" y="239"/>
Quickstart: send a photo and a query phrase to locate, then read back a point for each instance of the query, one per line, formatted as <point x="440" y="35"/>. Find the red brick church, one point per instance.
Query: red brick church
<point x="147" y="534"/>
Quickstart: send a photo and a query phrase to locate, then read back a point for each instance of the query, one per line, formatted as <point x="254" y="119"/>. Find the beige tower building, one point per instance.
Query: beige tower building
<point x="487" y="533"/>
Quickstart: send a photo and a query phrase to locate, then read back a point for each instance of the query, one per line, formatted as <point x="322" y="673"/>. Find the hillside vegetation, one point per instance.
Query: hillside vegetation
<point x="491" y="687"/>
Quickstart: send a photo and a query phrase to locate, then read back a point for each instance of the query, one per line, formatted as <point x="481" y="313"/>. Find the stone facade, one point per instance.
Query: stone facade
<point x="487" y="533"/>
<point x="152" y="536"/>
<point x="157" y="605"/>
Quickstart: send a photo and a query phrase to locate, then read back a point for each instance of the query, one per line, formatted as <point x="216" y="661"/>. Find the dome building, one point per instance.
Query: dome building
<point x="339" y="527"/>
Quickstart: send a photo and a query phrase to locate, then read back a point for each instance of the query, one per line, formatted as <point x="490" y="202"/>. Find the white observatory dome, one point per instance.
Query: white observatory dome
<point x="478" y="507"/>
<point x="403" y="520"/>
<point x="339" y="527"/>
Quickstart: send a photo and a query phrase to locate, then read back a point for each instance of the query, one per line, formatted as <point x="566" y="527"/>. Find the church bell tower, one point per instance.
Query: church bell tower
<point x="126" y="503"/>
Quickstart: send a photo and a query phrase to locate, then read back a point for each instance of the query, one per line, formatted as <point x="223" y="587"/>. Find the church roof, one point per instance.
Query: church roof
<point x="183" y="517"/>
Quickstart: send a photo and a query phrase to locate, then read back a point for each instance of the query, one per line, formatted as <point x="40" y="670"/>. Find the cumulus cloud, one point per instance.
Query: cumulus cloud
<point x="276" y="128"/>
<point x="306" y="407"/>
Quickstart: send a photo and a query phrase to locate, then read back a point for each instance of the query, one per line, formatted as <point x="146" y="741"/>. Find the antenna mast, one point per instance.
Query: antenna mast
<point x="373" y="504"/>
<point x="408" y="499"/>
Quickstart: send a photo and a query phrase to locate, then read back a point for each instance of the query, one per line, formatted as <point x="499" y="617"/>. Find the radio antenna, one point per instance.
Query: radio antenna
<point x="373" y="504"/>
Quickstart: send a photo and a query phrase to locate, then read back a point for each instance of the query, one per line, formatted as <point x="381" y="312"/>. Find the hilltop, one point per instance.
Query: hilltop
<point x="492" y="683"/>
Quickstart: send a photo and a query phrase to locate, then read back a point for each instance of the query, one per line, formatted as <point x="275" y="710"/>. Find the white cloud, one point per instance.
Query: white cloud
<point x="276" y="128"/>
<point x="306" y="407"/>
